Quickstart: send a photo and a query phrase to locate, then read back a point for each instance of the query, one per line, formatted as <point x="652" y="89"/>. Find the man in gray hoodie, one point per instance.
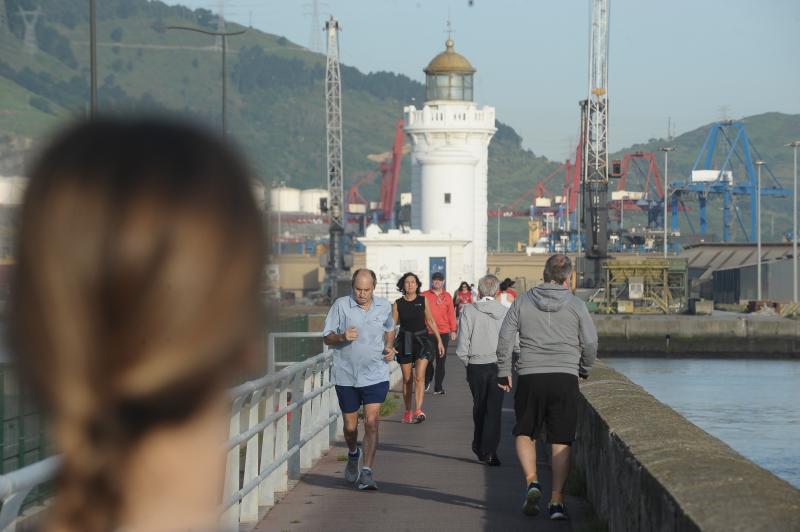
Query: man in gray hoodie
<point x="478" y="331"/>
<point x="558" y="342"/>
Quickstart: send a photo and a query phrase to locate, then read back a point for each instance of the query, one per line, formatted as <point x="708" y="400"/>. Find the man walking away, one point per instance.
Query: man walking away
<point x="360" y="328"/>
<point x="558" y="342"/>
<point x="479" y="328"/>
<point x="444" y="314"/>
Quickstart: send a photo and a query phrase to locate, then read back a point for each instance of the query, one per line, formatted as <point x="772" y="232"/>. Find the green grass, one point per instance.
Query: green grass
<point x="390" y="405"/>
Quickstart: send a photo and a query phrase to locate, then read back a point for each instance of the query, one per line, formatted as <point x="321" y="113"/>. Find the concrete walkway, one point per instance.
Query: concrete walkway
<point x="428" y="479"/>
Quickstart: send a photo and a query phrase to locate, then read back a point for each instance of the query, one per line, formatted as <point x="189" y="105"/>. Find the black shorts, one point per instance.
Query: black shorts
<point x="547" y="400"/>
<point x="420" y="347"/>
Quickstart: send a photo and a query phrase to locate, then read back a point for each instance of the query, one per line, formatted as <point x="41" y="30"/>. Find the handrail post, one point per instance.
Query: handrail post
<point x="295" y="427"/>
<point x="266" y="490"/>
<point x="316" y="408"/>
<point x="333" y="408"/>
<point x="306" y="420"/>
<point x="231" y="516"/>
<point x="282" y="440"/>
<point x="249" y="504"/>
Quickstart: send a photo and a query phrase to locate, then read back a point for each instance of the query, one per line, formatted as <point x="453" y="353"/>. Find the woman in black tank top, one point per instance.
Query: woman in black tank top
<point x="413" y="344"/>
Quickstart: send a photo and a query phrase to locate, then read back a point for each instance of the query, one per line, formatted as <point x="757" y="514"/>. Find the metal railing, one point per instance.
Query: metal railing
<point x="280" y="425"/>
<point x="15" y="487"/>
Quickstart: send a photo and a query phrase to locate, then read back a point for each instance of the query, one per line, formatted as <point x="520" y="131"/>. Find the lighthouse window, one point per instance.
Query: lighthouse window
<point x="447" y="198"/>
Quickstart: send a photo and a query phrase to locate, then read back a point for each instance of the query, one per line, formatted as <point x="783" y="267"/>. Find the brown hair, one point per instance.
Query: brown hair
<point x="136" y="293"/>
<point x="557" y="269"/>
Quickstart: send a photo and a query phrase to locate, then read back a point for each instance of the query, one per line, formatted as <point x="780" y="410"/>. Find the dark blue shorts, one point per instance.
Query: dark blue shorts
<point x="351" y="398"/>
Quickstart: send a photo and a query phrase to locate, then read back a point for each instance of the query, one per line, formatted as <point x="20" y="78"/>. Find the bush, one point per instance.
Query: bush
<point x="116" y="34"/>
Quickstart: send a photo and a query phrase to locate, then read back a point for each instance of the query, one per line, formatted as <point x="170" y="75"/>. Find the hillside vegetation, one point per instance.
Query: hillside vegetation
<point x="275" y="101"/>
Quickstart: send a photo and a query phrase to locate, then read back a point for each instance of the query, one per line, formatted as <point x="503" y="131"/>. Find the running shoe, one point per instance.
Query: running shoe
<point x="419" y="417"/>
<point x="365" y="480"/>
<point x="408" y="417"/>
<point x="557" y="511"/>
<point x="352" y="467"/>
<point x="532" y="496"/>
<point x="428" y="387"/>
<point x="439" y="392"/>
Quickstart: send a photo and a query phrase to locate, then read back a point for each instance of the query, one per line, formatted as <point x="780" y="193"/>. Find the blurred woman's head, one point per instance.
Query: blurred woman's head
<point x="464" y="286"/>
<point x="136" y="294"/>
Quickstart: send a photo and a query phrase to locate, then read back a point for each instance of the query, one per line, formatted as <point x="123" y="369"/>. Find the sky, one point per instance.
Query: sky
<point x="689" y="62"/>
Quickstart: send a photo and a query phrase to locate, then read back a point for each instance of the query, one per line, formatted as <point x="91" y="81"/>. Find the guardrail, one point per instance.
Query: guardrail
<point x="280" y="425"/>
<point x="15" y="486"/>
<point x="295" y="414"/>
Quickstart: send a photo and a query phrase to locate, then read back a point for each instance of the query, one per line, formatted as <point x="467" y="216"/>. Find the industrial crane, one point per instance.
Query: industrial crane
<point x="390" y="178"/>
<point x="336" y="268"/>
<point x="594" y="139"/>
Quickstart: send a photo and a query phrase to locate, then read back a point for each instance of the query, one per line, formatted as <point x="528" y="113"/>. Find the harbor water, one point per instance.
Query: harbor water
<point x="752" y="405"/>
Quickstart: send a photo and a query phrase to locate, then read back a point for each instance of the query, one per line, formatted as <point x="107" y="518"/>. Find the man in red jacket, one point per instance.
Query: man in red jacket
<point x="441" y="305"/>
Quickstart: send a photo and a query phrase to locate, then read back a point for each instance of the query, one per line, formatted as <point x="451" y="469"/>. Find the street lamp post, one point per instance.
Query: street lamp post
<point x="92" y="59"/>
<point x="224" y="36"/>
<point x="666" y="151"/>
<point x="759" y="164"/>
<point x="794" y="145"/>
<point x="498" y="227"/>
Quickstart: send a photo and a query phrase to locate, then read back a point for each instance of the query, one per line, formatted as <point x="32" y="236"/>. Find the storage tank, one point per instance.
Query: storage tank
<point x="309" y="199"/>
<point x="12" y="190"/>
<point x="285" y="199"/>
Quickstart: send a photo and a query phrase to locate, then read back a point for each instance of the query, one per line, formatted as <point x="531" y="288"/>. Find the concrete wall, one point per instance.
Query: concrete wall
<point x="676" y="336"/>
<point x="648" y="468"/>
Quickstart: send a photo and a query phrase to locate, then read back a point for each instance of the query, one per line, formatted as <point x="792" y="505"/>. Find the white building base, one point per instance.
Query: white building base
<point x="393" y="253"/>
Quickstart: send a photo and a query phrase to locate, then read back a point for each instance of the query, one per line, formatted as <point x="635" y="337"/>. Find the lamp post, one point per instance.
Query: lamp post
<point x="281" y="185"/>
<point x="92" y="59"/>
<point x="666" y="151"/>
<point x="224" y="36"/>
<point x="498" y="226"/>
<point x="794" y="145"/>
<point x="759" y="164"/>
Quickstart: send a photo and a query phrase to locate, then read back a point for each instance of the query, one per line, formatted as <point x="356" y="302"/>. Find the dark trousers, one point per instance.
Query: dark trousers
<point x="438" y="375"/>
<point x="487" y="403"/>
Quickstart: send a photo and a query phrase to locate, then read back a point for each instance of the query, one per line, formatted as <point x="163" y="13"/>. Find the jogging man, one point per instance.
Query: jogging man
<point x="558" y="342"/>
<point x="444" y="314"/>
<point x="360" y="328"/>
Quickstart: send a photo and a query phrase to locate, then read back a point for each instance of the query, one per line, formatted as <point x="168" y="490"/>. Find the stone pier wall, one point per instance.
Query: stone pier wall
<point x="649" y="469"/>
<point x="711" y="336"/>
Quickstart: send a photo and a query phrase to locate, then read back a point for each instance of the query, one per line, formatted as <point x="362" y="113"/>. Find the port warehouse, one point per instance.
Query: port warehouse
<point x="722" y="272"/>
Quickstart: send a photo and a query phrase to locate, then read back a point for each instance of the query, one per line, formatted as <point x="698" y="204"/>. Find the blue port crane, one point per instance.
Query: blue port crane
<point x="735" y="147"/>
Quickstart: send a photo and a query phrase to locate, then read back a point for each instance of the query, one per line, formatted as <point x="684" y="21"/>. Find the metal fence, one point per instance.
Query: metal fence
<point x="280" y="425"/>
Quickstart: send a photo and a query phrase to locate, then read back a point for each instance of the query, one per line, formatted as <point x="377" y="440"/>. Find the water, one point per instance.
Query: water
<point x="752" y="405"/>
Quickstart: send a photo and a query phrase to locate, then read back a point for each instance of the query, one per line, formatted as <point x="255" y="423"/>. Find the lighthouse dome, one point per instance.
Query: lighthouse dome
<point x="449" y="76"/>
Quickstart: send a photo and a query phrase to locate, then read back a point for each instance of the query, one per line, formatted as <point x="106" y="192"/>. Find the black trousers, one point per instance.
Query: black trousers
<point x="487" y="403"/>
<point x="437" y="375"/>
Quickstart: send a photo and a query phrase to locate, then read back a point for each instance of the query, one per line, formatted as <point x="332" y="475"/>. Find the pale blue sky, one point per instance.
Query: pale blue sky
<point x="692" y="60"/>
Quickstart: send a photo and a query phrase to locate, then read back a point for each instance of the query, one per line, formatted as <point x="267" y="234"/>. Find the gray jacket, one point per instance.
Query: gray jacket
<point x="556" y="333"/>
<point x="478" y="331"/>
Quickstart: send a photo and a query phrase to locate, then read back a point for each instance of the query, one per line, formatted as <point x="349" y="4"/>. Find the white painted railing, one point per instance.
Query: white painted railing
<point x="280" y="425"/>
<point x="15" y="486"/>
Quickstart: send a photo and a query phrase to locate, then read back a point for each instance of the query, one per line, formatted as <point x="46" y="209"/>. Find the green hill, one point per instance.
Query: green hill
<point x="275" y="100"/>
<point x="275" y="90"/>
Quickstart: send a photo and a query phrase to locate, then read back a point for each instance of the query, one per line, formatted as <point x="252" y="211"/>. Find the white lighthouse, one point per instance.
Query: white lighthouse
<point x="450" y="138"/>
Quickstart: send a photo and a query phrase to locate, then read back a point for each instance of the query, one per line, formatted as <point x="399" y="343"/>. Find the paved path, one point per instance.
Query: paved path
<point x="427" y="476"/>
